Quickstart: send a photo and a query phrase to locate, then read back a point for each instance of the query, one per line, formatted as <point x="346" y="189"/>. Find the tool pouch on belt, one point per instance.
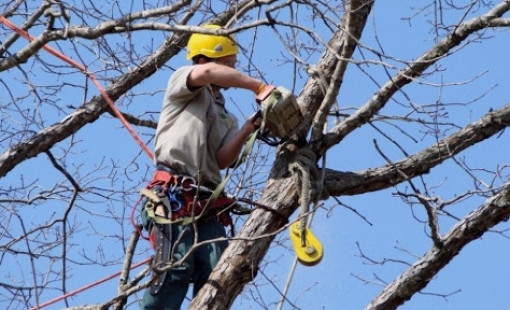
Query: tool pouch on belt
<point x="160" y="229"/>
<point x="154" y="198"/>
<point x="162" y="236"/>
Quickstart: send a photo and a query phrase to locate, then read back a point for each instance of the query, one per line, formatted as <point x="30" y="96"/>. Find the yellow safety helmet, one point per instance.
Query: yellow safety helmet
<point x="211" y="46"/>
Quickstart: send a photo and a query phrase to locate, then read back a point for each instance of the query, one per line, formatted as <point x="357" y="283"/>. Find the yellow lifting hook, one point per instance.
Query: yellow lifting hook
<point x="308" y="249"/>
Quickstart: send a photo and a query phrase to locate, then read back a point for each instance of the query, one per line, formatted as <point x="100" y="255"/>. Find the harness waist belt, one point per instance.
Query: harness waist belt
<point x="181" y="198"/>
<point x="162" y="167"/>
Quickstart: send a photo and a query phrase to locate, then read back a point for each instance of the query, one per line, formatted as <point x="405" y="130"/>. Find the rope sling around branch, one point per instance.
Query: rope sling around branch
<point x="308" y="249"/>
<point x="297" y="236"/>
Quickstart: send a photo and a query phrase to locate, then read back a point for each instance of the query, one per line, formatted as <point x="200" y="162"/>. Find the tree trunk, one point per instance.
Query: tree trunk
<point x="240" y="261"/>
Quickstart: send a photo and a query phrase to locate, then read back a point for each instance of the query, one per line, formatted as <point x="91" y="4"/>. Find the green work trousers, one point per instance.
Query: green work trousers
<point x="196" y="268"/>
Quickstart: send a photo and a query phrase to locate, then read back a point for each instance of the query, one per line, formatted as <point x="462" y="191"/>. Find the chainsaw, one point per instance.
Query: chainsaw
<point x="281" y="116"/>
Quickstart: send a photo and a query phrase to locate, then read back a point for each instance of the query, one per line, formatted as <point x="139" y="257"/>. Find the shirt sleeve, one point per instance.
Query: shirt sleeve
<point x="177" y="88"/>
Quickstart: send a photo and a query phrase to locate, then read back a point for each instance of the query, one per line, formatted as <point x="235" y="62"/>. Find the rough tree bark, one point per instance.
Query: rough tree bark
<point x="240" y="261"/>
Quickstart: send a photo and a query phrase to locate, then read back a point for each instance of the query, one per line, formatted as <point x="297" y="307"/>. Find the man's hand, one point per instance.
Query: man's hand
<point x="256" y="119"/>
<point x="252" y="123"/>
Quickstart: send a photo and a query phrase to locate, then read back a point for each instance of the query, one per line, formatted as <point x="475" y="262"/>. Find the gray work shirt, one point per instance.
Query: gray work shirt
<point x="192" y="126"/>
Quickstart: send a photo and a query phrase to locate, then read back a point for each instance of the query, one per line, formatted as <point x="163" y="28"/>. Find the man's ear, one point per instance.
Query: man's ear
<point x="200" y="59"/>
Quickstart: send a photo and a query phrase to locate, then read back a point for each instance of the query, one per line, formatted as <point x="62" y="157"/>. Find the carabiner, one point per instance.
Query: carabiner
<point x="187" y="183"/>
<point x="175" y="202"/>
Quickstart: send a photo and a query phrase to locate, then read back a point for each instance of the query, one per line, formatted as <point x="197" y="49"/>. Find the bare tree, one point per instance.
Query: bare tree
<point x="71" y="174"/>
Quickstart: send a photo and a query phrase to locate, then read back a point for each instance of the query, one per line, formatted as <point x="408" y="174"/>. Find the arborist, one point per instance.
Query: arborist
<point x="196" y="138"/>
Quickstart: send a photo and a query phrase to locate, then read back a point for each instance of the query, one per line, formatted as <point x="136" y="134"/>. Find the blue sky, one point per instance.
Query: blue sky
<point x="478" y="274"/>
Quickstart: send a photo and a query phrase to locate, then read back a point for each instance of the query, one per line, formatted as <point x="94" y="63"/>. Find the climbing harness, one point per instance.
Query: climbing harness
<point x="178" y="199"/>
<point x="174" y="199"/>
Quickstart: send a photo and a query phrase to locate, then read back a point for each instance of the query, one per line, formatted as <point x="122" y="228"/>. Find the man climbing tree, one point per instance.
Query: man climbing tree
<point x="196" y="137"/>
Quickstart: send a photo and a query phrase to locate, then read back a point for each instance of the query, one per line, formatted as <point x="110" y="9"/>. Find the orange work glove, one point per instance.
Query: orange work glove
<point x="263" y="92"/>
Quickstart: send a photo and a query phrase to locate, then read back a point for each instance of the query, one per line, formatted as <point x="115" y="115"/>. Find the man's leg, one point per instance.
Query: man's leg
<point x="177" y="280"/>
<point x="207" y="256"/>
<point x="171" y="295"/>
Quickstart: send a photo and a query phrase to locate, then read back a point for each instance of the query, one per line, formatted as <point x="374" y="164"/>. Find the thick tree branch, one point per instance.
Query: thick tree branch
<point x="352" y="27"/>
<point x="332" y="65"/>
<point x="406" y="76"/>
<point x="352" y="183"/>
<point x="90" y="111"/>
<point x="493" y="212"/>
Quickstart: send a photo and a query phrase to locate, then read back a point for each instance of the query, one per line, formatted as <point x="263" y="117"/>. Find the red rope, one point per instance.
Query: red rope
<point x="63" y="57"/>
<point x="86" y="287"/>
<point x="117" y="113"/>
<point x="138" y="228"/>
